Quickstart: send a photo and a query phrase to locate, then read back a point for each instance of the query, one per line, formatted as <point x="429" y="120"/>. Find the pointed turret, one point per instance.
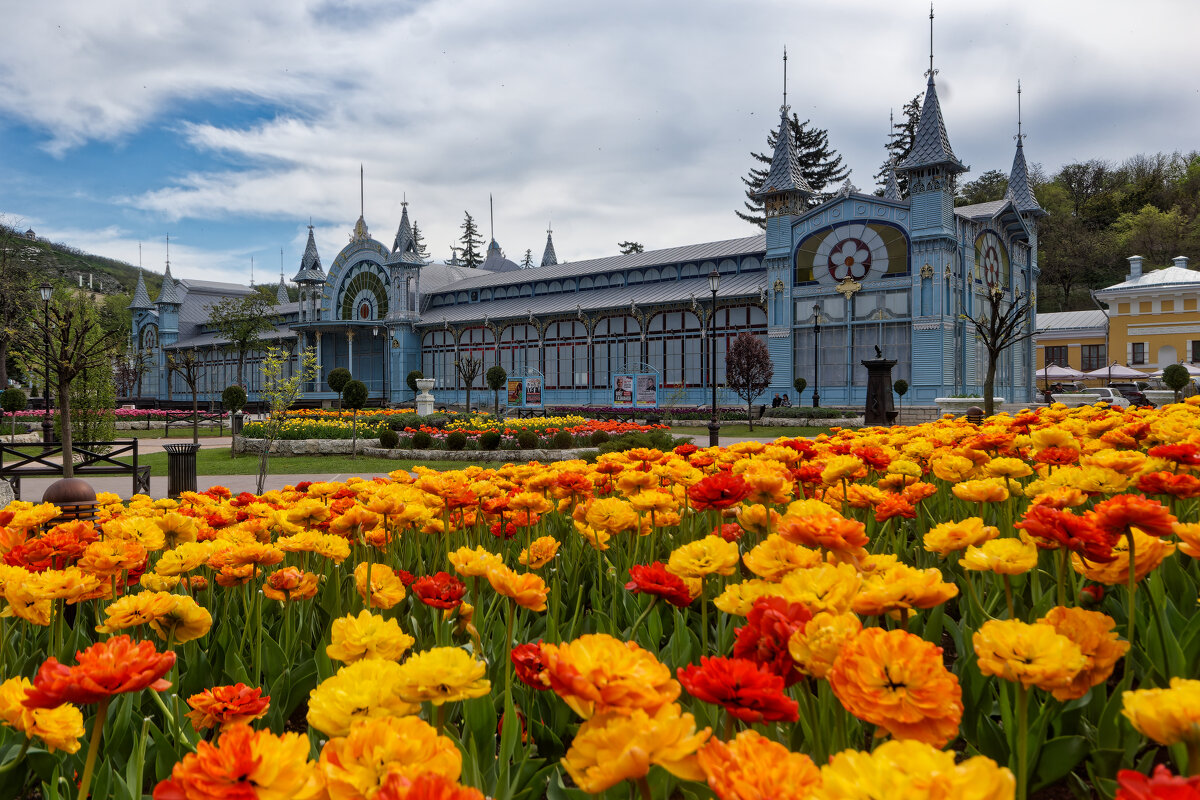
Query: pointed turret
<point x="1019" y="191"/>
<point x="281" y="292"/>
<point x="310" y="264"/>
<point x="141" y="298"/>
<point x="891" y="189"/>
<point x="170" y="290"/>
<point x="549" y="257"/>
<point x="785" y="177"/>
<point x="404" y="248"/>
<point x="931" y="146"/>
<point x="495" y="260"/>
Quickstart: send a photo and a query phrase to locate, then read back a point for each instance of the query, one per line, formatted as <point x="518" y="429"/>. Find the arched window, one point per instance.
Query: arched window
<point x="730" y="322"/>
<point x="478" y="343"/>
<point x="673" y="347"/>
<point x="519" y="349"/>
<point x="617" y="342"/>
<point x="991" y="260"/>
<point x="437" y="357"/>
<point x="566" y="355"/>
<point x="859" y="251"/>
<point x="364" y="296"/>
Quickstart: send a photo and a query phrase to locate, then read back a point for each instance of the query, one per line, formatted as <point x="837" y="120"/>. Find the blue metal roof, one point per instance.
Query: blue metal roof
<point x="931" y="145"/>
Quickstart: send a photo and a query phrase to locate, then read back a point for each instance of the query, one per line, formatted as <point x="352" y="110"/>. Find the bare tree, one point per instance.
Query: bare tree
<point x="129" y="371"/>
<point x="748" y="370"/>
<point x="278" y="394"/>
<point x="1002" y="322"/>
<point x="468" y="369"/>
<point x="187" y="367"/>
<point x="77" y="342"/>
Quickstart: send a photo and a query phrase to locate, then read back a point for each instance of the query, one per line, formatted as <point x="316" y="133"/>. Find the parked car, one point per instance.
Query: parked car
<point x="1133" y="392"/>
<point x="1110" y="396"/>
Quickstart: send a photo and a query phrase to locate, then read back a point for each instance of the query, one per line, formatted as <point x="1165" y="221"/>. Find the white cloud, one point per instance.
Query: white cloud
<point x="622" y="120"/>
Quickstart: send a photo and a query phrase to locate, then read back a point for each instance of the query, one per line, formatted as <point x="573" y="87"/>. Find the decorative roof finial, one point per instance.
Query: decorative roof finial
<point x="404" y="199"/>
<point x="931" y="71"/>
<point x="252" y="271"/>
<point x="785" y="76"/>
<point x="168" y="252"/>
<point x="491" y="217"/>
<point x="1020" y="136"/>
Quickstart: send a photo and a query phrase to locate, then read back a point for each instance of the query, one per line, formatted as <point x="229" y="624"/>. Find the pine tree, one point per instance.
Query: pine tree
<point x="527" y="261"/>
<point x="628" y="248"/>
<point x="900" y="142"/>
<point x="419" y="242"/>
<point x="470" y="242"/>
<point x="820" y="165"/>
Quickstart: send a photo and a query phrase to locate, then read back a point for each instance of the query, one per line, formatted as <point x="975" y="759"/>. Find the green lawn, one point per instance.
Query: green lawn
<point x="215" y="461"/>
<point x="742" y="429"/>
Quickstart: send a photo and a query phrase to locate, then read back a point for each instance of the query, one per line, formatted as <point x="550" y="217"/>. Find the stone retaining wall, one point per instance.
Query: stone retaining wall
<point x="370" y="447"/>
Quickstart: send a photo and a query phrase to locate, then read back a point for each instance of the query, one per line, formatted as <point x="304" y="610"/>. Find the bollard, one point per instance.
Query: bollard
<point x="975" y="415"/>
<point x="181" y="468"/>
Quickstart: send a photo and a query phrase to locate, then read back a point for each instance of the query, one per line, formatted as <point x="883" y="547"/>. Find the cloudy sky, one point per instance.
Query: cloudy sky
<point x="230" y="124"/>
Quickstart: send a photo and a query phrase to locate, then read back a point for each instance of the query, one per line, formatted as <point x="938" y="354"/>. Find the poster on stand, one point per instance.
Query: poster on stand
<point x="533" y="392"/>
<point x="516" y="391"/>
<point x="647" y="391"/>
<point x="622" y="391"/>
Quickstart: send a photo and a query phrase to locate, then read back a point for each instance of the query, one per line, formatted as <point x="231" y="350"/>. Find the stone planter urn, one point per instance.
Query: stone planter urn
<point x="424" y="398"/>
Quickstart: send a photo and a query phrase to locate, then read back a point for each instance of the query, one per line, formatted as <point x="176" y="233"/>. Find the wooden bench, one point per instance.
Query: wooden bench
<point x="15" y="464"/>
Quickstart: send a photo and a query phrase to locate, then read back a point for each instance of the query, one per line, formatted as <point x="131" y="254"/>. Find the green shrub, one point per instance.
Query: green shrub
<point x="562" y="440"/>
<point x="489" y="440"/>
<point x="457" y="440"/>
<point x="421" y="440"/>
<point x="388" y="438"/>
<point x="398" y="424"/>
<point x="233" y="398"/>
<point x="599" y="438"/>
<point x="527" y="439"/>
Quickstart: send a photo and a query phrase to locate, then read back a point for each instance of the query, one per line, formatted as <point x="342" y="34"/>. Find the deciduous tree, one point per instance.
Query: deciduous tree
<point x="1002" y="321"/>
<point x="748" y="370"/>
<point x="241" y="322"/>
<point x="278" y="394"/>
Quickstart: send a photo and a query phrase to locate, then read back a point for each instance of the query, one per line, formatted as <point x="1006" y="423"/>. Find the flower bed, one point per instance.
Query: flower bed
<point x="936" y="611"/>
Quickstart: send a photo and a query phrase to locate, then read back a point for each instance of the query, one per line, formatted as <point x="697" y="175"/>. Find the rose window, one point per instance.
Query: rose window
<point x="849" y="258"/>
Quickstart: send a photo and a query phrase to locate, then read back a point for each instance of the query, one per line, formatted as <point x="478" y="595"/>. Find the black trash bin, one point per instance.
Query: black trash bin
<point x="181" y="468"/>
<point x="235" y="423"/>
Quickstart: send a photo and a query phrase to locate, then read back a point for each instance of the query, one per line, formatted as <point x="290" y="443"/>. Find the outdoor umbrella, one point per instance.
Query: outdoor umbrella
<point x="1055" y="372"/>
<point x="1192" y="370"/>
<point x="1116" y="371"/>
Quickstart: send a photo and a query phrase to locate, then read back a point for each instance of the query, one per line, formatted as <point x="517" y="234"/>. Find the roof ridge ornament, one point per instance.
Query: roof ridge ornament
<point x="931" y="71"/>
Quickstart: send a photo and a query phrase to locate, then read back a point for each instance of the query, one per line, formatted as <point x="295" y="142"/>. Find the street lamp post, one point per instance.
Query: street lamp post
<point x="714" y="425"/>
<point x="46" y="290"/>
<point x="816" y="355"/>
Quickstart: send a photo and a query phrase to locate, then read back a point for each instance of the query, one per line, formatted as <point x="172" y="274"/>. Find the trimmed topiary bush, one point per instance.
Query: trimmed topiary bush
<point x="421" y="440"/>
<point x="489" y="440"/>
<point x="562" y="440"/>
<point x="388" y="438"/>
<point x="599" y="438"/>
<point x="527" y="440"/>
<point x="457" y="440"/>
<point x="233" y="398"/>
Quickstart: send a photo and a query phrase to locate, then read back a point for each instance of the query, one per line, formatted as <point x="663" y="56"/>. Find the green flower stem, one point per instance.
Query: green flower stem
<point x="703" y="620"/>
<point x="640" y="619"/>
<point x="1132" y="586"/>
<point x="1022" y="741"/>
<point x="1008" y="597"/>
<point x="21" y="755"/>
<point x="89" y="766"/>
<point x="1062" y="556"/>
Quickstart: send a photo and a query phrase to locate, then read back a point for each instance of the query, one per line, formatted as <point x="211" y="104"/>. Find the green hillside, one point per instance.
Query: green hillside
<point x="60" y="262"/>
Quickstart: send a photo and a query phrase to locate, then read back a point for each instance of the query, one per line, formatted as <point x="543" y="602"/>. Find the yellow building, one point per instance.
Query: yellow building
<point x="1151" y="321"/>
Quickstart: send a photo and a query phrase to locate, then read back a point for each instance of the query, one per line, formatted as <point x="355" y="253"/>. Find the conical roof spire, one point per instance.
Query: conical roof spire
<point x="281" y="293"/>
<point x="404" y="248"/>
<point x="785" y="174"/>
<point x="891" y="189"/>
<point x="1019" y="191"/>
<point x="141" y="298"/>
<point x="549" y="257"/>
<point x="170" y="290"/>
<point x="310" y="264"/>
<point x="931" y="145"/>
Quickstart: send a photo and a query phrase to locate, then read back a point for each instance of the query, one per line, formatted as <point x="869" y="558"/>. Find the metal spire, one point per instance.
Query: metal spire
<point x="281" y="264"/>
<point x="168" y="252"/>
<point x="931" y="71"/>
<point x="362" y="204"/>
<point x="1020" y="136"/>
<point x="491" y="217"/>
<point x="251" y="271"/>
<point x="785" y="76"/>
